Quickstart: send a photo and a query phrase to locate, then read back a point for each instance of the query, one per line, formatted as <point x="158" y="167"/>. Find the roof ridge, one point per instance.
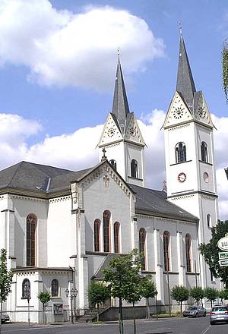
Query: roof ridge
<point x="14" y="174"/>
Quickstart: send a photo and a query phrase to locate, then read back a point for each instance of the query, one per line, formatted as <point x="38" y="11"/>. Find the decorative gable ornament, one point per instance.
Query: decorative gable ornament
<point x="178" y="112"/>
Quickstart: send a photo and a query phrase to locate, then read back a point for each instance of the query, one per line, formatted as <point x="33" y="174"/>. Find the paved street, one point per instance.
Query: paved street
<point x="164" y="326"/>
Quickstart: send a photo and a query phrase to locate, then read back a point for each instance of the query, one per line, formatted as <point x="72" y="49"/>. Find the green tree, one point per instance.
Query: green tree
<point x="98" y="293"/>
<point x="223" y="294"/>
<point x="6" y="277"/>
<point x="225" y="69"/>
<point x="211" y="294"/>
<point x="44" y="297"/>
<point x="121" y="274"/>
<point x="210" y="252"/>
<point x="180" y="294"/>
<point x="148" y="290"/>
<point x="197" y="293"/>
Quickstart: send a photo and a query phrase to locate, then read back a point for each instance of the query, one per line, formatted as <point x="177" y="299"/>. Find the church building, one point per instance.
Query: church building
<point x="61" y="227"/>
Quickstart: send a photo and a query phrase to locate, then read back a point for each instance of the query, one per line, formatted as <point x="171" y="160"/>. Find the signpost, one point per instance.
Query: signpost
<point x="223" y="256"/>
<point x="223" y="263"/>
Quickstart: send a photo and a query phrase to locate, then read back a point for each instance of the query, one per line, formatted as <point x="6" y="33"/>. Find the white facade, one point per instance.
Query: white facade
<point x="81" y="218"/>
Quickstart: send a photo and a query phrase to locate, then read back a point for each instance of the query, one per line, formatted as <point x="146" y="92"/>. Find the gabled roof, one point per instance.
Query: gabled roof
<point x="154" y="202"/>
<point x="38" y="178"/>
<point x="44" y="181"/>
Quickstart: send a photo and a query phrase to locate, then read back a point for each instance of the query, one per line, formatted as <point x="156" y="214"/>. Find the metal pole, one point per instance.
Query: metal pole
<point x="28" y="312"/>
<point x="71" y="308"/>
<point x="195" y="274"/>
<point x="167" y="274"/>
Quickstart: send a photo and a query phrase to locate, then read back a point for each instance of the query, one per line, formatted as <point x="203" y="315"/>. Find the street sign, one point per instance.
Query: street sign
<point x="223" y="243"/>
<point x="223" y="263"/>
<point x="223" y="255"/>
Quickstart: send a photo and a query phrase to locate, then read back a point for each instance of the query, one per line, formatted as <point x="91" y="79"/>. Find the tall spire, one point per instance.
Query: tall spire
<point x="120" y="106"/>
<point x="185" y="83"/>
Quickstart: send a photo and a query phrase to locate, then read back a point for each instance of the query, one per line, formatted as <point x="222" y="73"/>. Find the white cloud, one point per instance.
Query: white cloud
<point x="78" y="150"/>
<point x="73" y="49"/>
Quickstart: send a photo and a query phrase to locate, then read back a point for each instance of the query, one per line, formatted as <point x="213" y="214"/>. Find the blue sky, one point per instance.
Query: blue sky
<point x="57" y="69"/>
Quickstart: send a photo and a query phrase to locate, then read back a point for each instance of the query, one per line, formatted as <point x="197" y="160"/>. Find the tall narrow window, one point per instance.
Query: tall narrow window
<point x="134" y="168"/>
<point x="54" y="288"/>
<point x="96" y="233"/>
<point x="113" y="163"/>
<point x="116" y="237"/>
<point x="26" y="291"/>
<point x="180" y="152"/>
<point x="106" y="230"/>
<point x="209" y="220"/>
<point x="142" y="250"/>
<point x="188" y="243"/>
<point x="204" y="154"/>
<point x="166" y="238"/>
<point x="31" y="240"/>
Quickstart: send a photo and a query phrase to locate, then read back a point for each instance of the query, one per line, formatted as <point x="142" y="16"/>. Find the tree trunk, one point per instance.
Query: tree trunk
<point x="98" y="312"/>
<point x="134" y="318"/>
<point x="147" y="308"/>
<point x="1" y="318"/>
<point x="120" y="316"/>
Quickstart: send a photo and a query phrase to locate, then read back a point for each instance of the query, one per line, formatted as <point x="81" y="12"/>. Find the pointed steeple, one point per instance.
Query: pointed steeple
<point x="120" y="106"/>
<point x="185" y="83"/>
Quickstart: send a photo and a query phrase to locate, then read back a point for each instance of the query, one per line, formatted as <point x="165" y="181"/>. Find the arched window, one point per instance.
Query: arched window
<point x="166" y="238"/>
<point x="116" y="237"/>
<point x="188" y="243"/>
<point x="31" y="222"/>
<point x="180" y="152"/>
<point x="204" y="154"/>
<point x="209" y="220"/>
<point x="113" y="163"/>
<point x="97" y="224"/>
<point x="106" y="230"/>
<point x="26" y="291"/>
<point x="134" y="168"/>
<point x="142" y="250"/>
<point x="54" y="288"/>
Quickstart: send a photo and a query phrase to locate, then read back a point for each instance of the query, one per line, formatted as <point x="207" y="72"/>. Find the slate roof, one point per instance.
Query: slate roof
<point x="40" y="179"/>
<point x="120" y="108"/>
<point x="149" y="201"/>
<point x="185" y="83"/>
<point x="45" y="181"/>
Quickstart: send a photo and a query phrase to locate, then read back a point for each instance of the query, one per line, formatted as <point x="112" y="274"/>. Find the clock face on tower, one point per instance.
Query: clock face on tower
<point x="111" y="132"/>
<point x="202" y="112"/>
<point x="132" y="131"/>
<point x="181" y="177"/>
<point x="178" y="112"/>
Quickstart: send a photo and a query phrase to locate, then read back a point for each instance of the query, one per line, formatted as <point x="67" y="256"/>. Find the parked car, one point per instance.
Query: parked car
<point x="219" y="314"/>
<point x="5" y="317"/>
<point x="195" y="311"/>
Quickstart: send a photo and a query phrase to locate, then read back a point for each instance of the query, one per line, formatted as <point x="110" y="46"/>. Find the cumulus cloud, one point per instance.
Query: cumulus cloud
<point x="77" y="150"/>
<point x="63" y="48"/>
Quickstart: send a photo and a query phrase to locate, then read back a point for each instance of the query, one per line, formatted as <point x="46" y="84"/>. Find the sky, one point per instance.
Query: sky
<point x="57" y="70"/>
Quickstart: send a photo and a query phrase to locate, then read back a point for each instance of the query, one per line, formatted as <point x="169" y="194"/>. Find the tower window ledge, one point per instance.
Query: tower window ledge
<point x="182" y="162"/>
<point x="135" y="178"/>
<point x="205" y="162"/>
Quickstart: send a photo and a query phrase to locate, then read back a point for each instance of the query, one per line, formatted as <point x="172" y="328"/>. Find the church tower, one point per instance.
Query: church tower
<point x="121" y="137"/>
<point x="189" y="153"/>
